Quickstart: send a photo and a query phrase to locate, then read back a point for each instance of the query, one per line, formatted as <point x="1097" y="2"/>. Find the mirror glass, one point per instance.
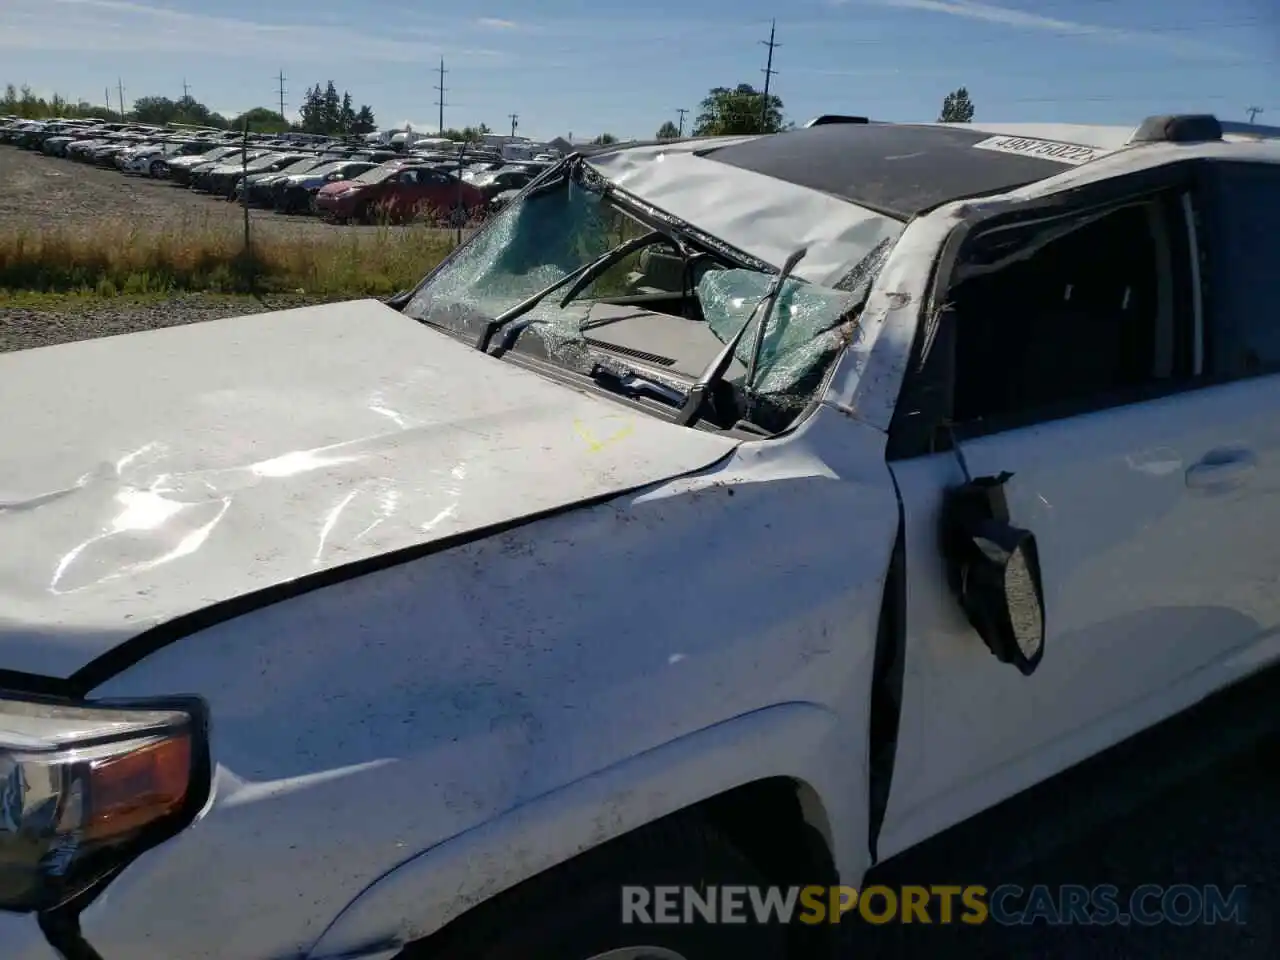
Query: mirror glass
<point x="1023" y="602"/>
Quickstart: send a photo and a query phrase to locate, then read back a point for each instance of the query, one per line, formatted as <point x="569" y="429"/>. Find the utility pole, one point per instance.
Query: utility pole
<point x="280" y="80"/>
<point x="682" y="111"/>
<point x="106" y="92"/>
<point x="120" y="91"/>
<point x="768" y="74"/>
<point x="186" y="90"/>
<point x="515" y="122"/>
<point x="1253" y="112"/>
<point x="440" y="101"/>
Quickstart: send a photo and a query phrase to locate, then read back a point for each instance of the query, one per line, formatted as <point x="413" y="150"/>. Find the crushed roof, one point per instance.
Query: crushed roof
<point x="898" y="169"/>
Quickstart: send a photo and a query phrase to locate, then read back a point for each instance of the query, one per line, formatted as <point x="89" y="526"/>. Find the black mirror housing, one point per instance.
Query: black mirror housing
<point x="994" y="571"/>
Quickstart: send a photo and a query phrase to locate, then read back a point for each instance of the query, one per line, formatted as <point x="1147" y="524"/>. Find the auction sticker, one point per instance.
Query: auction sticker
<point x="1071" y="153"/>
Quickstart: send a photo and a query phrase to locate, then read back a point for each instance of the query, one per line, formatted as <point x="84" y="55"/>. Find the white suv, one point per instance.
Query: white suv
<point x="726" y="512"/>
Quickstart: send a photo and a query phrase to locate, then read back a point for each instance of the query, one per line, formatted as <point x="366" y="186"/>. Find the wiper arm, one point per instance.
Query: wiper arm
<point x="492" y="328"/>
<point x="691" y="412"/>
<point x="632" y="384"/>
<point x="603" y="263"/>
<point x="588" y="271"/>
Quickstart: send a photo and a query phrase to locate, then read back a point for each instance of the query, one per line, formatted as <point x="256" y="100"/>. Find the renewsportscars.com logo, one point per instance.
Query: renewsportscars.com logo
<point x="1007" y="905"/>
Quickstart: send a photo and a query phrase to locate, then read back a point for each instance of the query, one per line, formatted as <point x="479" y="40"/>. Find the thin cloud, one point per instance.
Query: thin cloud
<point x="121" y="26"/>
<point x="1026" y="20"/>
<point x="493" y="23"/>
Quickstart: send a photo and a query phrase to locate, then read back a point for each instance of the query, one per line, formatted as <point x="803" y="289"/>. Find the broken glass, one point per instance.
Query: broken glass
<point x="805" y="330"/>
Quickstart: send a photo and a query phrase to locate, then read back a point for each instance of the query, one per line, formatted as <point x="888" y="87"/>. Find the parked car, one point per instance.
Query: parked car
<point x="565" y="589"/>
<point x="103" y="153"/>
<point x="398" y="193"/>
<point x="297" y="192"/>
<point x="56" y="146"/>
<point x="190" y="175"/>
<point x="24" y="135"/>
<point x="500" y="200"/>
<point x="153" y="161"/>
<point x="220" y="180"/>
<point x="494" y="182"/>
<point x="260" y="184"/>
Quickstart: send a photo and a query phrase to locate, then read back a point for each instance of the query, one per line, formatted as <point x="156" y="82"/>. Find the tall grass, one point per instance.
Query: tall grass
<point x="124" y="257"/>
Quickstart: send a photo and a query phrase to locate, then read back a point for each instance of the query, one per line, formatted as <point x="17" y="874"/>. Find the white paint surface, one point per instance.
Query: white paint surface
<point x="153" y="474"/>
<point x="395" y="749"/>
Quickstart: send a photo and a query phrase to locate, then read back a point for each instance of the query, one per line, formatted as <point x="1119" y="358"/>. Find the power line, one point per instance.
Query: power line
<point x="682" y="111"/>
<point x="1253" y="112"/>
<point x="768" y="75"/>
<point x="515" y="122"/>
<point x="440" y="99"/>
<point x="280" y="80"/>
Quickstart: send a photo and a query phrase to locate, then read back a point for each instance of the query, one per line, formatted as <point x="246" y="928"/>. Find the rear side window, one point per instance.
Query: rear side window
<point x="1244" y="275"/>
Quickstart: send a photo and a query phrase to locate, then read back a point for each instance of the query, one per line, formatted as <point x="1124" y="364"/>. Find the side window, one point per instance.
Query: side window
<point x="1076" y="313"/>
<point x="1243" y="282"/>
<point x="409" y="176"/>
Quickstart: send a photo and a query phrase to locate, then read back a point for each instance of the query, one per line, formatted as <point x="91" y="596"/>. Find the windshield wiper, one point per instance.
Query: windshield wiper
<point x="603" y="263"/>
<point x="496" y="325"/>
<point x="691" y="412"/>
<point x="632" y="384"/>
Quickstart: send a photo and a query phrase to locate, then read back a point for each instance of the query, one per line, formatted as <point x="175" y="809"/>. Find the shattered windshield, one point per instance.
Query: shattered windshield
<point x="660" y="309"/>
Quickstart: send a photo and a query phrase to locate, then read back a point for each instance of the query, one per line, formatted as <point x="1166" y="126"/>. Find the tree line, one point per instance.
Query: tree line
<point x="324" y="111"/>
<point x="744" y="110"/>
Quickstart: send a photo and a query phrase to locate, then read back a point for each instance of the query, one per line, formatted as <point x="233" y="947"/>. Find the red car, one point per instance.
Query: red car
<point x="398" y="193"/>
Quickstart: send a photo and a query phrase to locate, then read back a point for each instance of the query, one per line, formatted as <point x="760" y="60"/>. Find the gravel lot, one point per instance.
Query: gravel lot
<point x="1222" y="827"/>
<point x="41" y="191"/>
<point x="22" y="328"/>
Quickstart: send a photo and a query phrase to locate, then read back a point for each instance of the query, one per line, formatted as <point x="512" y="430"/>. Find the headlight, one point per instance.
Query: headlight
<point x="84" y="789"/>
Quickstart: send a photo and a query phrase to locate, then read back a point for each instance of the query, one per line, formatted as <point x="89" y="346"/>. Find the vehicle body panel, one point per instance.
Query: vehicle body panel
<point x="252" y="451"/>
<point x="22" y="939"/>
<point x="1157" y="593"/>
<point x="501" y="679"/>
<point x="800" y="741"/>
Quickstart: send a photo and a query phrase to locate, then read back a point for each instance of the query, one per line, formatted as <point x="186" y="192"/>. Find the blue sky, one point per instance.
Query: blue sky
<point x="580" y="68"/>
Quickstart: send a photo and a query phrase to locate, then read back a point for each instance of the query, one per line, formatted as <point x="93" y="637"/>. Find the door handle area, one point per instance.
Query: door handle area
<point x="1221" y="469"/>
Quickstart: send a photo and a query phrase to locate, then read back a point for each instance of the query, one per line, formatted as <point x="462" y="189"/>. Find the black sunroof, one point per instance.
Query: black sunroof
<point x="898" y="169"/>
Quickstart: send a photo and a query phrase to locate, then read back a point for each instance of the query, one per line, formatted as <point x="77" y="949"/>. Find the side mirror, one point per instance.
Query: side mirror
<point x="994" y="570"/>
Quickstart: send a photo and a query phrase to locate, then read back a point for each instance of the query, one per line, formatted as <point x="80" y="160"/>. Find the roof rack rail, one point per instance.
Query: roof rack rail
<point x="1178" y="128"/>
<point x="827" y="118"/>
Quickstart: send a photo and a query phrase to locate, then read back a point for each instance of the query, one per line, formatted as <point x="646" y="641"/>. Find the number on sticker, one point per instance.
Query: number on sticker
<point x="1072" y="153"/>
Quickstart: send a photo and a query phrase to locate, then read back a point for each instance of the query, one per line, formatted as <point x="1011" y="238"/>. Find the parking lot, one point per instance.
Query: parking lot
<point x="40" y="192"/>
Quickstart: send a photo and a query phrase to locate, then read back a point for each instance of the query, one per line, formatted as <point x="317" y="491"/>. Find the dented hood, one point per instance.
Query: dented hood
<point x="149" y="475"/>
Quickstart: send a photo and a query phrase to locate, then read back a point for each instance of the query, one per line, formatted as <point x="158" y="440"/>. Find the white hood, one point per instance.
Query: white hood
<point x="149" y="475"/>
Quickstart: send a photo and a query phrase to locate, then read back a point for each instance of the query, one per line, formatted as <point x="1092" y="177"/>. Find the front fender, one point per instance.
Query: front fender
<point x="422" y="895"/>
<point x="425" y="709"/>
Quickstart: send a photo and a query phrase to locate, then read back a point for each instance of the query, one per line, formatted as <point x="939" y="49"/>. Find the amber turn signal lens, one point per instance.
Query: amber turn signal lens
<point x="145" y="785"/>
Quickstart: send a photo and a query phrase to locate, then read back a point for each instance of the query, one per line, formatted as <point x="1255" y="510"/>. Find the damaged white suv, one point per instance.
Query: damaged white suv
<point x="727" y="512"/>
